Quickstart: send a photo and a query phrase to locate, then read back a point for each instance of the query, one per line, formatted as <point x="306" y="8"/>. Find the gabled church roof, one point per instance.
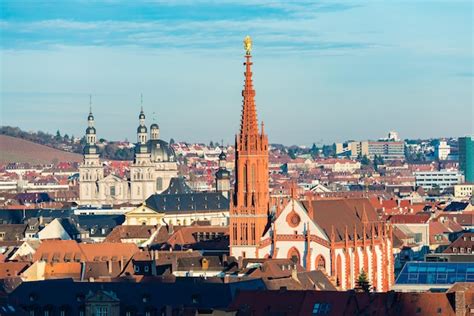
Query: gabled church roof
<point x="342" y="213"/>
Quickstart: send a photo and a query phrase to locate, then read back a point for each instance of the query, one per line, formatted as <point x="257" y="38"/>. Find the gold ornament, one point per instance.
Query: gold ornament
<point x="248" y="44"/>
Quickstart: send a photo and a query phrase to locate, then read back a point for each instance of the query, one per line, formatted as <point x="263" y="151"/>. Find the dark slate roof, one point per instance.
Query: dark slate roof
<point x="99" y="225"/>
<point x="178" y="186"/>
<point x="19" y="216"/>
<point x="179" y="197"/>
<point x="456" y="206"/>
<point x="184" y="292"/>
<point x="190" y="202"/>
<point x="33" y="197"/>
<point x="69" y="226"/>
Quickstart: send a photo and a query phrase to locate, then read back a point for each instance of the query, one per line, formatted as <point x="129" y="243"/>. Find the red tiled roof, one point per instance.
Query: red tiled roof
<point x="465" y="241"/>
<point x="342" y="213"/>
<point x="12" y="269"/>
<point x="409" y="218"/>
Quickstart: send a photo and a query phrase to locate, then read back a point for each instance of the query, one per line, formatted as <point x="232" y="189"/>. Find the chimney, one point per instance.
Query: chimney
<point x="294" y="274"/>
<point x="204" y="264"/>
<point x="240" y="262"/>
<point x="460" y="303"/>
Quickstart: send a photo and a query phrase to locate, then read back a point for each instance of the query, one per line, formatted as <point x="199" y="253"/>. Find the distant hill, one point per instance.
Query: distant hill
<point x="14" y="149"/>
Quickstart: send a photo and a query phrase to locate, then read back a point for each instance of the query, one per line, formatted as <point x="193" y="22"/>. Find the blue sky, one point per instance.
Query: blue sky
<point x="324" y="71"/>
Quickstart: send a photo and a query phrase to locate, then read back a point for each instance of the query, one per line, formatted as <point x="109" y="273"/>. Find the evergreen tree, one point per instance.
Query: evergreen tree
<point x="365" y="161"/>
<point x="314" y="151"/>
<point x="362" y="283"/>
<point x="58" y="136"/>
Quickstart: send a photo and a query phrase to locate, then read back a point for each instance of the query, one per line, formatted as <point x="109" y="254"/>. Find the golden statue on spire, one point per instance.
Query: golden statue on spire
<point x="248" y="44"/>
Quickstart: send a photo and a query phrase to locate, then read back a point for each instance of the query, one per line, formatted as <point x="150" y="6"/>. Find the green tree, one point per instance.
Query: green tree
<point x="362" y="283"/>
<point x="292" y="153"/>
<point x="58" y="136"/>
<point x="365" y="161"/>
<point x="172" y="141"/>
<point x="314" y="151"/>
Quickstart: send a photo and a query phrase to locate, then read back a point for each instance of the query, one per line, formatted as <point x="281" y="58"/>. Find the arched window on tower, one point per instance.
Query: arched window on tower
<point x="253" y="178"/>
<point x="245" y="178"/>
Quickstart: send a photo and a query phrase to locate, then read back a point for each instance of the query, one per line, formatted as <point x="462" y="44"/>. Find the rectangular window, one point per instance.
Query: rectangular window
<point x="159" y="184"/>
<point x="112" y="190"/>
<point x="321" y="309"/>
<point x="102" y="311"/>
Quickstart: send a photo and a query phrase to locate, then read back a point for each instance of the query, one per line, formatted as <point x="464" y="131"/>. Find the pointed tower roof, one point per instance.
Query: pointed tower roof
<point x="249" y="124"/>
<point x="91" y="116"/>
<point x="142" y="114"/>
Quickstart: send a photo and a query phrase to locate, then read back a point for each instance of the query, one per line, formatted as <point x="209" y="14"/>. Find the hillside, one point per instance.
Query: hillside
<point x="14" y="149"/>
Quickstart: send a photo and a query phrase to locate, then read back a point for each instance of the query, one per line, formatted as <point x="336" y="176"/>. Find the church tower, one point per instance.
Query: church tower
<point x="250" y="206"/>
<point x="223" y="176"/>
<point x="141" y="170"/>
<point x="90" y="171"/>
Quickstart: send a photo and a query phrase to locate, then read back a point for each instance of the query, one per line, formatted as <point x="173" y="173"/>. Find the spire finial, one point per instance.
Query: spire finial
<point x="90" y="103"/>
<point x="248" y="44"/>
<point x="141" y="101"/>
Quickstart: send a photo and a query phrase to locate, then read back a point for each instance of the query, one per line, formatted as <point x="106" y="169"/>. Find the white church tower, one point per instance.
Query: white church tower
<point x="142" y="170"/>
<point x="90" y="171"/>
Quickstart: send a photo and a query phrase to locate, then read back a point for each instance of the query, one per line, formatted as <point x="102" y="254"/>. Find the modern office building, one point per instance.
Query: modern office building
<point x="466" y="157"/>
<point x="442" y="179"/>
<point x="388" y="150"/>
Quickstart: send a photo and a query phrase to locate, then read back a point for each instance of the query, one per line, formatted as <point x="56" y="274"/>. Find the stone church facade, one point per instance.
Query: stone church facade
<point x="153" y="167"/>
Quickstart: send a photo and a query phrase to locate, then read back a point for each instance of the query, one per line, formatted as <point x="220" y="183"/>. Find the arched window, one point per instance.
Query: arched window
<point x="294" y="255"/>
<point x="320" y="263"/>
<point x="245" y="178"/>
<point x="253" y="178"/>
<point x="338" y="270"/>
